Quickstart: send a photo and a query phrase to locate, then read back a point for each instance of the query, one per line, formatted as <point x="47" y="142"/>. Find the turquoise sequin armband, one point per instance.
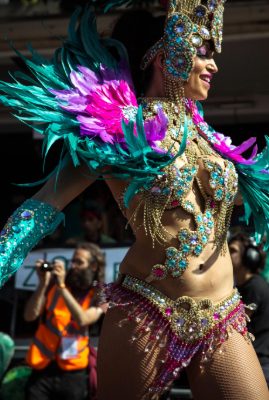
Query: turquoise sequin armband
<point x="32" y="221"/>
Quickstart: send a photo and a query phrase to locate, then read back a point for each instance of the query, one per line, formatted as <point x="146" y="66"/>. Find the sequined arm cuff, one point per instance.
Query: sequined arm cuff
<point x="32" y="221"/>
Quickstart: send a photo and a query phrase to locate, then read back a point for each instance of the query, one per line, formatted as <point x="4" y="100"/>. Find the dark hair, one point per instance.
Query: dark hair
<point x="138" y="30"/>
<point x="92" y="207"/>
<point x="253" y="257"/>
<point x="98" y="258"/>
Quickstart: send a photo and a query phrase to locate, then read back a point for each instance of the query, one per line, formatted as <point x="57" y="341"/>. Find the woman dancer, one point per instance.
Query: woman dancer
<point x="174" y="178"/>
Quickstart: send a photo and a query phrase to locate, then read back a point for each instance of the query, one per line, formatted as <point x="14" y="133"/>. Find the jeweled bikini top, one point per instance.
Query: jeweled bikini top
<point x="172" y="189"/>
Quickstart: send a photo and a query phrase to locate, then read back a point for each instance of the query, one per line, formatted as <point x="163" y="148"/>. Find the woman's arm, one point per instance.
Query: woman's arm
<point x="70" y="183"/>
<point x="38" y="217"/>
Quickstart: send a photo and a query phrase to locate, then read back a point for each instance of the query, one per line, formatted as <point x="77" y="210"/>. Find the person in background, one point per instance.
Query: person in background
<point x="59" y="353"/>
<point x="248" y="261"/>
<point x="92" y="226"/>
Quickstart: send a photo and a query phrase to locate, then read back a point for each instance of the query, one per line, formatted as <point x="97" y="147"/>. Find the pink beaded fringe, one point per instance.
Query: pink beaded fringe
<point x="179" y="353"/>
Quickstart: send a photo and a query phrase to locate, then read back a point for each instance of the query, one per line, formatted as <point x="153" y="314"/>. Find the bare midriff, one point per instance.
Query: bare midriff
<point x="209" y="275"/>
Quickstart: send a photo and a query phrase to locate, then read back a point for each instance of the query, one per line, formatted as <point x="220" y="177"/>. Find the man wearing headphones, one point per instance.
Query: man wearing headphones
<point x="248" y="261"/>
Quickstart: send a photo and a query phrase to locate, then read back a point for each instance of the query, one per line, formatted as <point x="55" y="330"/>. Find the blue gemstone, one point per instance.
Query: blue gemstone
<point x="171" y="263"/>
<point x="219" y="193"/>
<point x="204" y="322"/>
<point x="198" y="250"/>
<point x="180" y="321"/>
<point x="166" y="191"/>
<point x="212" y="5"/>
<point x="204" y="239"/>
<point x="180" y="192"/>
<point x="170" y="252"/>
<point x="3" y="232"/>
<point x="199" y="218"/>
<point x="200" y="13"/>
<point x="209" y="165"/>
<point x="16" y="229"/>
<point x="180" y="62"/>
<point x="180" y="28"/>
<point x="194" y="240"/>
<point x="214" y="175"/>
<point x="186" y="248"/>
<point x="182" y="235"/>
<point x="182" y="264"/>
<point x="27" y="214"/>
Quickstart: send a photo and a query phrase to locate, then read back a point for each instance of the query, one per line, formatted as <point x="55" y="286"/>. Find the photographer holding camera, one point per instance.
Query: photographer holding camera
<point x="59" y="353"/>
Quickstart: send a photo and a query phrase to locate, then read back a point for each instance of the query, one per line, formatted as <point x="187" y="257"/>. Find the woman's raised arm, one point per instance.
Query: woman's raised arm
<point x="70" y="183"/>
<point x="38" y="217"/>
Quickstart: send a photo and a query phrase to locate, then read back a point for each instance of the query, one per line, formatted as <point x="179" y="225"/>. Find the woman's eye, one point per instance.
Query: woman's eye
<point x="201" y="55"/>
<point x="204" y="52"/>
<point x="205" y="55"/>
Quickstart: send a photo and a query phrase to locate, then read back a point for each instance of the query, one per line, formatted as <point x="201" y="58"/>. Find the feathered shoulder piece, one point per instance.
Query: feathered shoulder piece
<point x="84" y="97"/>
<point x="253" y="173"/>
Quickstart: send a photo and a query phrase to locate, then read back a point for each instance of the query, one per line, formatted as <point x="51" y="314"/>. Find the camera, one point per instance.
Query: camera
<point x="46" y="266"/>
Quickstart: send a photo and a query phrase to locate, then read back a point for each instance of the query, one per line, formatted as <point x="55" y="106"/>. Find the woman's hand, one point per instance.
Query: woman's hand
<point x="59" y="271"/>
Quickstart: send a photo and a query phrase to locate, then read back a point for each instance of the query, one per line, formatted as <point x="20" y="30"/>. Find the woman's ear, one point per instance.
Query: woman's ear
<point x="159" y="61"/>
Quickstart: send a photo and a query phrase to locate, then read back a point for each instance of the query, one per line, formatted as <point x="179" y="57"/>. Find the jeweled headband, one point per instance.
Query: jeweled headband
<point x="188" y="24"/>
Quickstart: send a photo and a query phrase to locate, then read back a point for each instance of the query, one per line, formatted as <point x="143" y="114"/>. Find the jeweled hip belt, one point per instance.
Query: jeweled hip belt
<point x="189" y="319"/>
<point x="182" y="327"/>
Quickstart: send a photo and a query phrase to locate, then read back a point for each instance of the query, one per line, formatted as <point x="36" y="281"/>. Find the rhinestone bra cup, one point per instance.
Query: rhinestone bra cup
<point x="171" y="190"/>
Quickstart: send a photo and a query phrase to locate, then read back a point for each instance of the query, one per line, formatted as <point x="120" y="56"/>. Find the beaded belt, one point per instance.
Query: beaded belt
<point x="182" y="327"/>
<point x="189" y="319"/>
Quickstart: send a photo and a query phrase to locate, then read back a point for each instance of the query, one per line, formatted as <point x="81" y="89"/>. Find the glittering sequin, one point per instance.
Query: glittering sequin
<point x="29" y="223"/>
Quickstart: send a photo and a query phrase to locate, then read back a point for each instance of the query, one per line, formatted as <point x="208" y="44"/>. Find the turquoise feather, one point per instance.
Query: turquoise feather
<point x="36" y="106"/>
<point x="254" y="187"/>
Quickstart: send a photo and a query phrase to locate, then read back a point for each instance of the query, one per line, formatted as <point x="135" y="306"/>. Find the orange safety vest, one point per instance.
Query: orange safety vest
<point x="58" y="324"/>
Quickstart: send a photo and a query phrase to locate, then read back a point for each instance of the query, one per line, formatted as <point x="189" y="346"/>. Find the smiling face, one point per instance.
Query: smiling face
<point x="201" y="75"/>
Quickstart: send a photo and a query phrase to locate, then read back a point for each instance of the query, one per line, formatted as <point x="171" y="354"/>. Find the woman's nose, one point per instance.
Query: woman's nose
<point x="212" y="66"/>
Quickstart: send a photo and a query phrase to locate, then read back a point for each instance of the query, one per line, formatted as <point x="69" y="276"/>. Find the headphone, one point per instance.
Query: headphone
<point x="252" y="255"/>
<point x="252" y="258"/>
